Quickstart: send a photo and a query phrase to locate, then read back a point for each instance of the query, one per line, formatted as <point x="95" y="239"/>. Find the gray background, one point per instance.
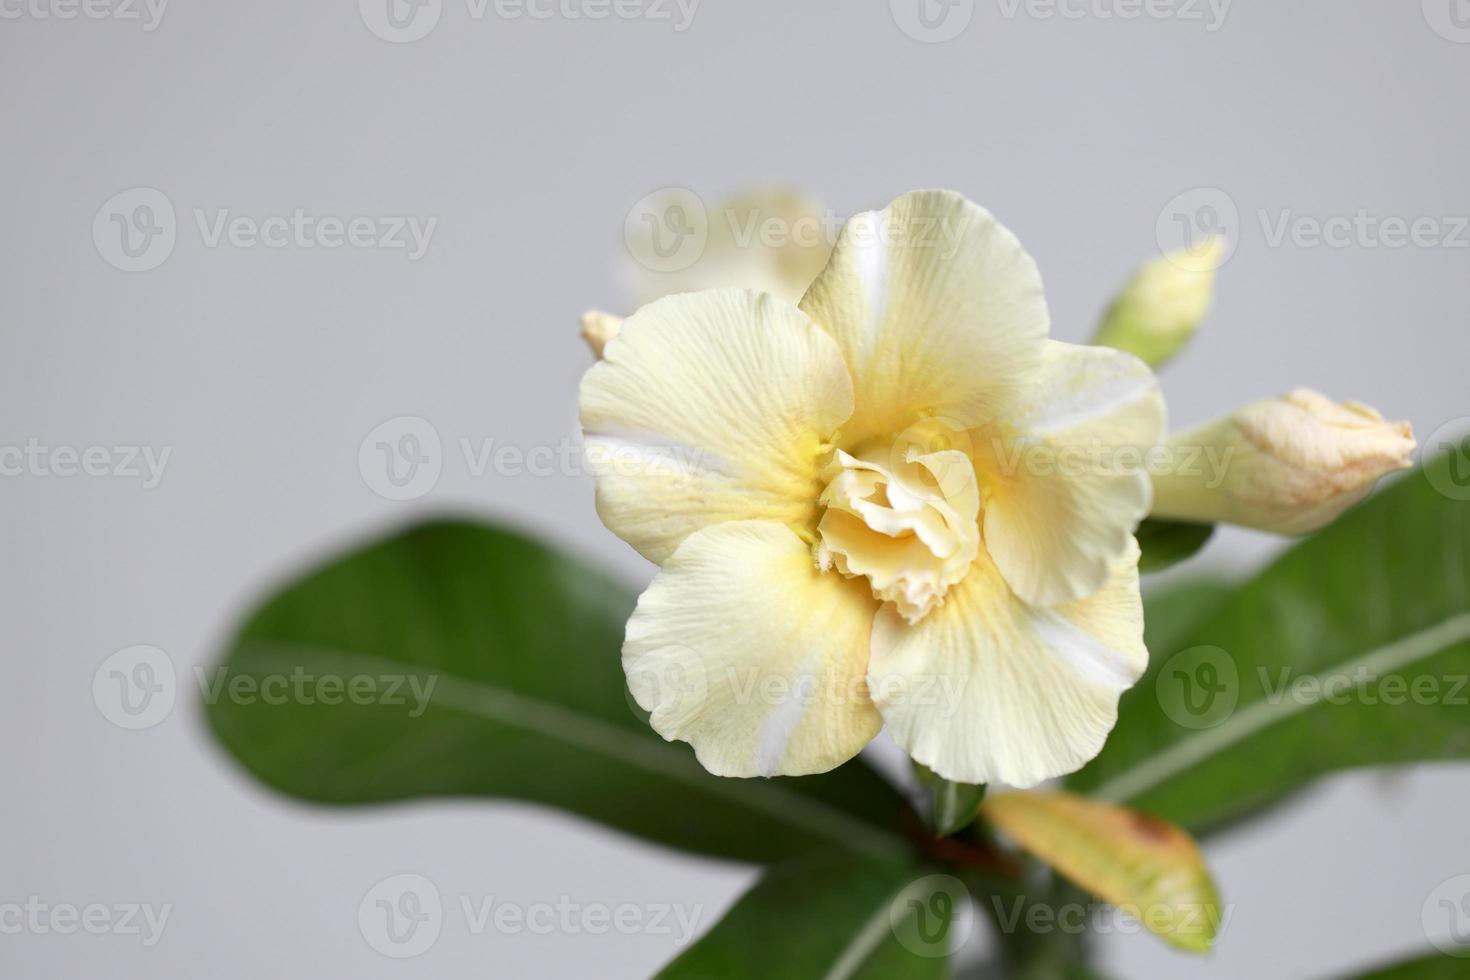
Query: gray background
<point x="529" y="141"/>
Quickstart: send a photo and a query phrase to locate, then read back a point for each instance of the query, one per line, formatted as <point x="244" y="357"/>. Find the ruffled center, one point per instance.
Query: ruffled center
<point x="908" y="520"/>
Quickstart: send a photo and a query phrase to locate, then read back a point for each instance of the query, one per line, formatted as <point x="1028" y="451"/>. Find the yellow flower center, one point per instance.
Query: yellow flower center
<point x="905" y="515"/>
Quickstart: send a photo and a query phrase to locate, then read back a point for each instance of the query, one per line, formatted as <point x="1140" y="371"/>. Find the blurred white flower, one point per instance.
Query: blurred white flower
<point x="769" y="240"/>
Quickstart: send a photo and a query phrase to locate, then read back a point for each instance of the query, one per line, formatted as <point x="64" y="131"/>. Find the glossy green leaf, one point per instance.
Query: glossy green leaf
<point x="1165" y="543"/>
<point x="1351" y="650"/>
<point x="831" y="915"/>
<point x="487" y="664"/>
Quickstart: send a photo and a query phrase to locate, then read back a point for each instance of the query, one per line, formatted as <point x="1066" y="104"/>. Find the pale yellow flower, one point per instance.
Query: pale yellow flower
<point x="855" y="517"/>
<point x="1289" y="465"/>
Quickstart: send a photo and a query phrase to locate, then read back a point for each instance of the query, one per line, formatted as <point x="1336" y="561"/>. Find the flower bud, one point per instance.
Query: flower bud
<point x="1156" y="315"/>
<point x="598" y="328"/>
<point x="1288" y="465"/>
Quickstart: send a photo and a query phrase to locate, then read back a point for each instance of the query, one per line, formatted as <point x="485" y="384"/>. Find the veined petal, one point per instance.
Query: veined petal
<point x="1065" y="476"/>
<point x="987" y="688"/>
<point x="742" y="648"/>
<point x="711" y="407"/>
<point x="938" y="311"/>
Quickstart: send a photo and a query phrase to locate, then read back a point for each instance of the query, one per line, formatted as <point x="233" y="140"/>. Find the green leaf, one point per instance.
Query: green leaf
<point x="955" y="805"/>
<point x="1165" y="543"/>
<point x="493" y="669"/>
<point x="831" y="915"/>
<point x="1136" y="862"/>
<point x="952" y="805"/>
<point x="1428" y="968"/>
<point x="1349" y="651"/>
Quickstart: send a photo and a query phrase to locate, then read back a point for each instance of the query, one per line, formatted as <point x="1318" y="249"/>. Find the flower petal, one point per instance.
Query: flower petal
<point x="989" y="689"/>
<point x="742" y="648"/>
<point x="1066" y="484"/>
<point x="938" y="310"/>
<point x="710" y="407"/>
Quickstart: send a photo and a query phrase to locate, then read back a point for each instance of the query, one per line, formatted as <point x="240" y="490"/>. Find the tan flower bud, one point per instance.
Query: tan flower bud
<point x="1289" y="465"/>
<point x="598" y="328"/>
